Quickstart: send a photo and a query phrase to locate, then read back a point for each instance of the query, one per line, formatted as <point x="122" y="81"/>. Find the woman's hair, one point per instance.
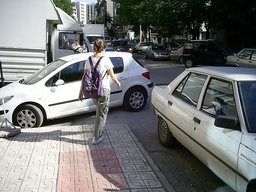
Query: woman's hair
<point x="99" y="45"/>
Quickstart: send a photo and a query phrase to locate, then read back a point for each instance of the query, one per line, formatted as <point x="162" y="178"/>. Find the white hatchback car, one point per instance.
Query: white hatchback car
<point x="211" y="111"/>
<point x="53" y="91"/>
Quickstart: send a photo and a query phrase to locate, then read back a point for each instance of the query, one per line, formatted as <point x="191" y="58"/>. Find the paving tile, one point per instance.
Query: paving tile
<point x="63" y="159"/>
<point x="129" y="164"/>
<point x="140" y="180"/>
<point x="11" y="186"/>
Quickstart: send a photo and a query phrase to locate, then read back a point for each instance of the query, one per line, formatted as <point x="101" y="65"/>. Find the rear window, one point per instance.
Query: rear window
<point x="190" y="88"/>
<point x="196" y="45"/>
<point x="118" y="64"/>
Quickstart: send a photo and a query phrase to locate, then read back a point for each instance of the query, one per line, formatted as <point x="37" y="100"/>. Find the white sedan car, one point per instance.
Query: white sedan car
<point x="244" y="58"/>
<point x="188" y="110"/>
<point x="53" y="91"/>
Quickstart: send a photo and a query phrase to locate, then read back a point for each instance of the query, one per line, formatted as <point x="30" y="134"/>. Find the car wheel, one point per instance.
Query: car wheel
<point x="28" y="116"/>
<point x="251" y="187"/>
<point x="135" y="99"/>
<point x="189" y="63"/>
<point x="165" y="136"/>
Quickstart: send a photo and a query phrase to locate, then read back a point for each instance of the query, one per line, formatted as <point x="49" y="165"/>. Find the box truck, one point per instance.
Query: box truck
<point x="93" y="32"/>
<point x="34" y="33"/>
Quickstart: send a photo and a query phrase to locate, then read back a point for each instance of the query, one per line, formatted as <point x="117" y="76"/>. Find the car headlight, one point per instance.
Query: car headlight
<point x="5" y="99"/>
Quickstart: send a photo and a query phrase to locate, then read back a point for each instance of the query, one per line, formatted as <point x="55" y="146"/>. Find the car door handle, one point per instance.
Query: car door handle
<point x="169" y="103"/>
<point x="122" y="78"/>
<point x="197" y="120"/>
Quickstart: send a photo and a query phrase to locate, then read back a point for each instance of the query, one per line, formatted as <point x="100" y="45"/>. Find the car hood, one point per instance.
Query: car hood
<point x="15" y="88"/>
<point x="231" y="57"/>
<point x="249" y="140"/>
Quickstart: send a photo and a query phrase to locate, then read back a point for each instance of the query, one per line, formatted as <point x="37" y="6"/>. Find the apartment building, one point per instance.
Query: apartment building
<point x="84" y="12"/>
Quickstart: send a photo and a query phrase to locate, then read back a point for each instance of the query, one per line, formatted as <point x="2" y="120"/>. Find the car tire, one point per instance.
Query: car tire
<point x="28" y="116"/>
<point x="135" y="99"/>
<point x="251" y="187"/>
<point x="189" y="63"/>
<point x="164" y="135"/>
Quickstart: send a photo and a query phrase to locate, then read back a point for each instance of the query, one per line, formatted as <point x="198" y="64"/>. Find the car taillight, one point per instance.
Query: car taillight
<point x="183" y="52"/>
<point x="171" y="52"/>
<point x="146" y="75"/>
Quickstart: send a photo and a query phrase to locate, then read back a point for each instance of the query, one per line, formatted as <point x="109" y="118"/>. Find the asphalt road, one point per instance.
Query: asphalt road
<point x="181" y="168"/>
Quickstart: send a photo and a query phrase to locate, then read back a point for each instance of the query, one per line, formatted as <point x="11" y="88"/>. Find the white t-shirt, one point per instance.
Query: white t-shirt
<point x="104" y="65"/>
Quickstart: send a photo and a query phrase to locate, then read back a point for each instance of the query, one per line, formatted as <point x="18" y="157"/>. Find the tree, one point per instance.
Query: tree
<point x="175" y="17"/>
<point x="65" y="5"/>
<point x="238" y="19"/>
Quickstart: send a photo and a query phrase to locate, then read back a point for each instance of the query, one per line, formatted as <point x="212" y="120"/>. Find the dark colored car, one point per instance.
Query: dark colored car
<point x="205" y="52"/>
<point x="124" y="45"/>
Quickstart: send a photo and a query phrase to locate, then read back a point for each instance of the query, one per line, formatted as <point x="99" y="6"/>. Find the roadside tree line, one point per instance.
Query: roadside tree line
<point x="178" y="17"/>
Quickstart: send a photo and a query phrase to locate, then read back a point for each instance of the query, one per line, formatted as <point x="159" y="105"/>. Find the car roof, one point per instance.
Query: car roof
<point x="122" y="40"/>
<point x="86" y="55"/>
<point x="249" y="49"/>
<point x="207" y="40"/>
<point x="232" y="73"/>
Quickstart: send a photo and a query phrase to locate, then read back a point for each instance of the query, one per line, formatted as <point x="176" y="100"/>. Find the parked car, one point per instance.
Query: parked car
<point x="244" y="58"/>
<point x="205" y="52"/>
<point x="176" y="54"/>
<point x="180" y="41"/>
<point x="186" y="111"/>
<point x="124" y="45"/>
<point x="52" y="92"/>
<point x="157" y="52"/>
<point x="171" y="45"/>
<point x="142" y="46"/>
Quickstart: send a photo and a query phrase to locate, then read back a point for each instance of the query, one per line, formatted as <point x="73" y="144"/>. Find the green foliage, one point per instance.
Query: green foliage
<point x="174" y="17"/>
<point x="65" y="5"/>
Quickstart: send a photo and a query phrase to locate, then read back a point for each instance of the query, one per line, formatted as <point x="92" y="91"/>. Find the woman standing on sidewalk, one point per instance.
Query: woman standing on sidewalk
<point x="101" y="103"/>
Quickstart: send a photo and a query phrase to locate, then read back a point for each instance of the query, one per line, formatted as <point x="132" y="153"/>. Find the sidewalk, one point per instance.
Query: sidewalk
<point x="63" y="159"/>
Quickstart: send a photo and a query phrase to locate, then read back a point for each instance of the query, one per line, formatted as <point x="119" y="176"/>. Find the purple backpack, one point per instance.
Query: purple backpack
<point x="93" y="81"/>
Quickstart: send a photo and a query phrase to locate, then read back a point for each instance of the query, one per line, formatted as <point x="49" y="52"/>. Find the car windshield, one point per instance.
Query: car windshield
<point x="159" y="47"/>
<point x="248" y="95"/>
<point x="147" y="43"/>
<point x="42" y="73"/>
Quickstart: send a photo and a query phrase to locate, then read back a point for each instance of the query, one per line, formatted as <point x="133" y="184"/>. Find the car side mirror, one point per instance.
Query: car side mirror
<point x="226" y="122"/>
<point x="59" y="82"/>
